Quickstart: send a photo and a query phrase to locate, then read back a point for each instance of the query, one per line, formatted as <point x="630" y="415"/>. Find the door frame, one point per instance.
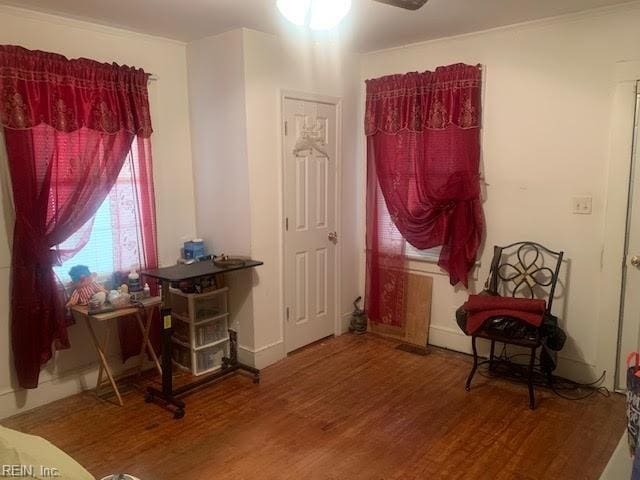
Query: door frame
<point x="616" y="210"/>
<point x="337" y="102"/>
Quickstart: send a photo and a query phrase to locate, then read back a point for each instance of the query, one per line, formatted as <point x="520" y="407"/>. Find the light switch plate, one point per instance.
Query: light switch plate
<point x="582" y="205"/>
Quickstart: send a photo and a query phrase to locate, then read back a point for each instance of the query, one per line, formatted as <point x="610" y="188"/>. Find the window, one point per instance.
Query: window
<point x="114" y="232"/>
<point x="97" y="253"/>
<point x="428" y="255"/>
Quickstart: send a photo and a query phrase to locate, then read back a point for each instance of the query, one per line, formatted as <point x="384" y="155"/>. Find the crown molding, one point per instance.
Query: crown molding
<point x="531" y="24"/>
<point x="83" y="24"/>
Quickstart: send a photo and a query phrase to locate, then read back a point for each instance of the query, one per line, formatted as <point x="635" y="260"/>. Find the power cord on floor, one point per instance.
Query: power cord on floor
<point x="504" y="366"/>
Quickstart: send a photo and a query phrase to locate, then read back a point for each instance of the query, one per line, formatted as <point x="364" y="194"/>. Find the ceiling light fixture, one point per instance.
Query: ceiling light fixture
<point x="315" y="14"/>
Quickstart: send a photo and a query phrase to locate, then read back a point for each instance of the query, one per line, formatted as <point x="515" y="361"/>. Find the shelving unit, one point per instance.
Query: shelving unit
<point x="176" y="275"/>
<point x="200" y="329"/>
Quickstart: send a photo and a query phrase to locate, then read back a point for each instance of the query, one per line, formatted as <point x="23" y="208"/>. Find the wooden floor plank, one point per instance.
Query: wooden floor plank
<point x="352" y="407"/>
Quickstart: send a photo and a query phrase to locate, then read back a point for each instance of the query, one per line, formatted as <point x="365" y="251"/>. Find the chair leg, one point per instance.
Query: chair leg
<point x="532" y="398"/>
<point x="491" y="354"/>
<point x="467" y="387"/>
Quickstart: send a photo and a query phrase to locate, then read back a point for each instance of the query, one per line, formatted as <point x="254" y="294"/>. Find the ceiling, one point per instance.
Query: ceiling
<point x="369" y="26"/>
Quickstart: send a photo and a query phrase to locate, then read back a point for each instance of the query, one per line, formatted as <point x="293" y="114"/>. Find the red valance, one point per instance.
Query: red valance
<point x="424" y="101"/>
<point x="46" y="88"/>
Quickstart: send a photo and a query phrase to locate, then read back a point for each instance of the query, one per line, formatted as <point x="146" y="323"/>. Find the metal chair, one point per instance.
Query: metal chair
<point x="520" y="270"/>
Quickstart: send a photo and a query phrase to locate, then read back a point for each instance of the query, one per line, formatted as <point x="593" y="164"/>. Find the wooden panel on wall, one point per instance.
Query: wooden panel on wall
<point x="415" y="330"/>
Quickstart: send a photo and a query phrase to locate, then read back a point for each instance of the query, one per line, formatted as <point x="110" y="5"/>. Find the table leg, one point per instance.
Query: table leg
<point x="99" y="382"/>
<point x="105" y="343"/>
<point x="146" y="343"/>
<point x="167" y="393"/>
<point x="167" y="343"/>
<point x="232" y="360"/>
<point x="103" y="360"/>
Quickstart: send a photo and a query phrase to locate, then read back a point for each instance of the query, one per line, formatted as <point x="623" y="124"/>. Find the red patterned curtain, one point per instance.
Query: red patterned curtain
<point x="423" y="186"/>
<point x="68" y="127"/>
<point x="133" y="225"/>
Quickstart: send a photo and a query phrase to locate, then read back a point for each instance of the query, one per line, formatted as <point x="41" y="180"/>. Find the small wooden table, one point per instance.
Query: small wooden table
<point x="147" y="306"/>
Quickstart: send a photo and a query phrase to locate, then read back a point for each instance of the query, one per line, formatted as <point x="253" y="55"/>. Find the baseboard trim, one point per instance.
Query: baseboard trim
<point x="453" y="339"/>
<point x="345" y="321"/>
<point x="263" y="356"/>
<point x="449" y="338"/>
<point x="71" y="382"/>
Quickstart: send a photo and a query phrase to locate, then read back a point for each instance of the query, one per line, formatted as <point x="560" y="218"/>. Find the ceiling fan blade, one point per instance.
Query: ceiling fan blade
<point x="406" y="4"/>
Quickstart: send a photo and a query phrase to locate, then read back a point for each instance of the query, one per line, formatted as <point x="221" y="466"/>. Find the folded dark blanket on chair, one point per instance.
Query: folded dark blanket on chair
<point x="481" y="308"/>
<point x="551" y="335"/>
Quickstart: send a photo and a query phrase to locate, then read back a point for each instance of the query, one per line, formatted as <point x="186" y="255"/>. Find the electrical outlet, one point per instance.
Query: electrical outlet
<point x="582" y="205"/>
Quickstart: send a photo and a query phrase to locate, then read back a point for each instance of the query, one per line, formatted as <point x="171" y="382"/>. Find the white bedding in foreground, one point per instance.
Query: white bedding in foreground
<point x="28" y="456"/>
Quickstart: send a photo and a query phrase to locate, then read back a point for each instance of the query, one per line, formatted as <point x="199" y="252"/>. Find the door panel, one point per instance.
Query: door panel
<point x="302" y="191"/>
<point x="310" y="149"/>
<point x="301" y="283"/>
<point x="321" y="284"/>
<point x="322" y="166"/>
<point x="630" y="328"/>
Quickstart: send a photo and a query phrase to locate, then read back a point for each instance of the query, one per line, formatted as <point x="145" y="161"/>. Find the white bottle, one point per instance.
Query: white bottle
<point x="134" y="281"/>
<point x="146" y="291"/>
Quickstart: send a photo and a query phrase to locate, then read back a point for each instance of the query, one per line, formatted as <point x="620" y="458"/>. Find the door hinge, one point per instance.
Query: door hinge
<point x="286" y="128"/>
<point x="287" y="314"/>
<point x="286" y="224"/>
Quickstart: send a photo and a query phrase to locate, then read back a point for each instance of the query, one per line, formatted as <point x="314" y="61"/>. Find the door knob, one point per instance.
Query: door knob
<point x="635" y="261"/>
<point x="333" y="237"/>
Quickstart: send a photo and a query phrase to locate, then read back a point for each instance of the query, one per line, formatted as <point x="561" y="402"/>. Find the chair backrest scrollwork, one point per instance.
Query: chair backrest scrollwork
<point x="525" y="269"/>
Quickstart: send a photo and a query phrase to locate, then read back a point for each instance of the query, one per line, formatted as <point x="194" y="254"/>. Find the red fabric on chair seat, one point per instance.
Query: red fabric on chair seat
<point x="483" y="307"/>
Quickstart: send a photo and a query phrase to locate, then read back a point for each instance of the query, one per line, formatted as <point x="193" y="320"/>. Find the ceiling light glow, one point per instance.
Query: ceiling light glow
<point x="315" y="14"/>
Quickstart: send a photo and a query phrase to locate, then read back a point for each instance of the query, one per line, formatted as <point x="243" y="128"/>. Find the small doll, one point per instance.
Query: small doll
<point x="85" y="286"/>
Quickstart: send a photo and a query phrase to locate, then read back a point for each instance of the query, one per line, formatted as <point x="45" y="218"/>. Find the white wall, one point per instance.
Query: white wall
<point x="547" y="120"/>
<point x="250" y="220"/>
<point x="219" y="140"/>
<point x="221" y="171"/>
<point x="75" y="369"/>
<point x="273" y="65"/>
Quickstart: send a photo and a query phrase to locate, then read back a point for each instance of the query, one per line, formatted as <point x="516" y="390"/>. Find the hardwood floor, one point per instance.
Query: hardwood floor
<point x="346" y="408"/>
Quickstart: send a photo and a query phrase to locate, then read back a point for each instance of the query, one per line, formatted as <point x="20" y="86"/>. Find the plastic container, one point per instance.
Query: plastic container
<point x="210" y="358"/>
<point x="199" y="307"/>
<point x="133" y="281"/>
<point x="209" y="307"/>
<point x="211" y="332"/>
<point x="181" y="331"/>
<point x="194" y="249"/>
<point x="181" y="356"/>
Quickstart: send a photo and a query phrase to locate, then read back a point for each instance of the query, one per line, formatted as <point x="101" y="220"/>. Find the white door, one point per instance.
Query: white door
<point x="310" y="238"/>
<point x="630" y="330"/>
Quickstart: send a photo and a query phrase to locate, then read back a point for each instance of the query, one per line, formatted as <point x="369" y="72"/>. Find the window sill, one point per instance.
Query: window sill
<point x="422" y="259"/>
<point x="430" y="267"/>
